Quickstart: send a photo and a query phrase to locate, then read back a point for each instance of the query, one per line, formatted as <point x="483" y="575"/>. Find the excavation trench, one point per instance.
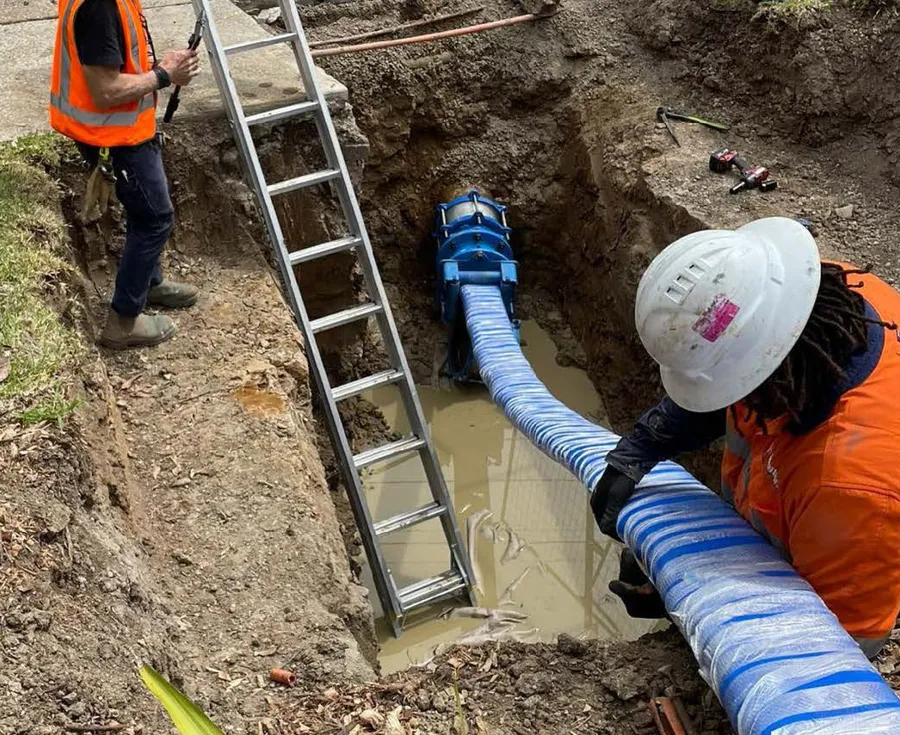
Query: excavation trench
<point x="222" y="463"/>
<point x="585" y="223"/>
<point x="207" y="517"/>
<point x="540" y="563"/>
<point x="582" y="232"/>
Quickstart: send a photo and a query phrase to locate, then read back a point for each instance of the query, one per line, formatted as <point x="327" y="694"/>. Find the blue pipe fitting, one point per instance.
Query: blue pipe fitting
<point x="473" y="249"/>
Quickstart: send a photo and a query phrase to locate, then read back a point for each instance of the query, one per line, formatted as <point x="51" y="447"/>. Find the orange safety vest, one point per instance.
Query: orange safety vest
<point x="72" y="109"/>
<point x="830" y="498"/>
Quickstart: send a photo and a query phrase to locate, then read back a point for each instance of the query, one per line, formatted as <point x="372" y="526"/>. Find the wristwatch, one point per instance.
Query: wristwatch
<point x="162" y="77"/>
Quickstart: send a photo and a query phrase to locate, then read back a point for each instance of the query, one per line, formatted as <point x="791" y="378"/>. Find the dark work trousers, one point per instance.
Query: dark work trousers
<point x="141" y="187"/>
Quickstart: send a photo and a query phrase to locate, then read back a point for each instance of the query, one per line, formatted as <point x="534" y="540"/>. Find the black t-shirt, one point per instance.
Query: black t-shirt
<point x="99" y="37"/>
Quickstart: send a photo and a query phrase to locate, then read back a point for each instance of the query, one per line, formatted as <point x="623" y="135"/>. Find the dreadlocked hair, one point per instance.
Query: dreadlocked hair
<point x="837" y="328"/>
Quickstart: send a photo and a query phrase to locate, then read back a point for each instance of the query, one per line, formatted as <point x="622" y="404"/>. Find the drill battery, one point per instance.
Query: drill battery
<point x="752" y="177"/>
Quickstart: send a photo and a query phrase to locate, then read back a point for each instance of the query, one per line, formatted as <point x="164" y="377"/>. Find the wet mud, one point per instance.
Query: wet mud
<point x="540" y="563"/>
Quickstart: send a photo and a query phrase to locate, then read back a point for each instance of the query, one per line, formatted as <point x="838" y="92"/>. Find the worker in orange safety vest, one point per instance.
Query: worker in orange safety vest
<point x="104" y="86"/>
<point x="797" y="363"/>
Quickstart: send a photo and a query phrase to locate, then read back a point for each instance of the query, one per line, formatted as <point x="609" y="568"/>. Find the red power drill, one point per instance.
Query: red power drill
<point x="752" y="177"/>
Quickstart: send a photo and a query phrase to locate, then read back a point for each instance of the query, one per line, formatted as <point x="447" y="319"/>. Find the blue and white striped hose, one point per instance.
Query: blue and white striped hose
<point x="778" y="660"/>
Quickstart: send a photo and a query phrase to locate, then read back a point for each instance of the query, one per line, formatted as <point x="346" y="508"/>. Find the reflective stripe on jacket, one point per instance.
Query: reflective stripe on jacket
<point x="72" y="109"/>
<point x="828" y="494"/>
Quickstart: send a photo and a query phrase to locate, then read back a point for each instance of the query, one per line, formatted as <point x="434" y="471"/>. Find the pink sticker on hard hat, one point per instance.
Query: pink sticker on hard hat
<point x="715" y="320"/>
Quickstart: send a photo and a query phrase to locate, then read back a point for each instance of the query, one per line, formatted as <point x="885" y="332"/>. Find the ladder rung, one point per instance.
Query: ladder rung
<point x="387" y="451"/>
<point x="301" y="182"/>
<point x="363" y="384"/>
<point x="326" y="248"/>
<point x="346" y="316"/>
<point x="280" y="113"/>
<point x="260" y="43"/>
<point x="405" y="520"/>
<point x="430" y="590"/>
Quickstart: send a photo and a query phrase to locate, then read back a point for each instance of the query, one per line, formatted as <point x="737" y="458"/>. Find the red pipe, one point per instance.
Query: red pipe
<point x="427" y="37"/>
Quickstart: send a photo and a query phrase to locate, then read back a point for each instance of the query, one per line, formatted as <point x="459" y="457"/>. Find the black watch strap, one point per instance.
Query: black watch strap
<point x="162" y="77"/>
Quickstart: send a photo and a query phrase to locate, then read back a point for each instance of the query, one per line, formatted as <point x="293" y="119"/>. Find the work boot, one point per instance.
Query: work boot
<point x="144" y="330"/>
<point x="172" y="295"/>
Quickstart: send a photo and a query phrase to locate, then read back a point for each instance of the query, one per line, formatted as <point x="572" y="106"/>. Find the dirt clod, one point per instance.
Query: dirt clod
<point x="845" y="212"/>
<point x="570" y="646"/>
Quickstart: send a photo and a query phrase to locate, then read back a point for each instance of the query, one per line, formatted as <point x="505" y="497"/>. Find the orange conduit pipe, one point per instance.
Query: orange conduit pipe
<point x="396" y="29"/>
<point x="375" y="45"/>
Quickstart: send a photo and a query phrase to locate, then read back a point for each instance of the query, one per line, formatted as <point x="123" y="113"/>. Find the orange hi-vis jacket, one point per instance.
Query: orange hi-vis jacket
<point x="830" y="497"/>
<point x="72" y="109"/>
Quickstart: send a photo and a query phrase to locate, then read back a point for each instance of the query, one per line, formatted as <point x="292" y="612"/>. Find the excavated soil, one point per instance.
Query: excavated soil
<point x="184" y="520"/>
<point x="811" y="74"/>
<point x="192" y="516"/>
<point x="571" y="687"/>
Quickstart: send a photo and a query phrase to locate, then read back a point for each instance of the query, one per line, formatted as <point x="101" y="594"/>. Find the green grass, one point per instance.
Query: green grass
<point x="44" y="150"/>
<point x="40" y="348"/>
<point x="791" y="12"/>
<point x="51" y="409"/>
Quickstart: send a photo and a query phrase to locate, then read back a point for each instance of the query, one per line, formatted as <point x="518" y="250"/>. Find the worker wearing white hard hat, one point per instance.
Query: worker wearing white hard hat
<point x="797" y="363"/>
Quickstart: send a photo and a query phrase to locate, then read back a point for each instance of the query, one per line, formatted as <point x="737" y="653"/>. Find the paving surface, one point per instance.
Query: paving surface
<point x="265" y="78"/>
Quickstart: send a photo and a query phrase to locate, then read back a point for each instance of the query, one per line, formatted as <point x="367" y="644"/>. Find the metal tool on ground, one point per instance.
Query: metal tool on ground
<point x="666" y="114"/>
<point x="752" y="177"/>
<point x="193" y="45"/>
<point x="457" y="579"/>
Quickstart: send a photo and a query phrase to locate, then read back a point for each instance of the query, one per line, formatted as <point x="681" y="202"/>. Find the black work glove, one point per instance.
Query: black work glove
<point x="609" y="497"/>
<point x="636" y="590"/>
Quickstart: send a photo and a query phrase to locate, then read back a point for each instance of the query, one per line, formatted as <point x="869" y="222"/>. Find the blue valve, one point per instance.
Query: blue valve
<point x="473" y="248"/>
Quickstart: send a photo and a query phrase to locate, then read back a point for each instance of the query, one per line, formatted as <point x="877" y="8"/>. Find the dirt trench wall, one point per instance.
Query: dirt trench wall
<point x="79" y="602"/>
<point x="550" y="135"/>
<point x="585" y="222"/>
<point x="307" y="217"/>
<point x="608" y="224"/>
<point x="184" y="519"/>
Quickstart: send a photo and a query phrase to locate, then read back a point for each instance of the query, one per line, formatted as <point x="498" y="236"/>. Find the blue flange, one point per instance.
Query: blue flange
<point x="473" y="248"/>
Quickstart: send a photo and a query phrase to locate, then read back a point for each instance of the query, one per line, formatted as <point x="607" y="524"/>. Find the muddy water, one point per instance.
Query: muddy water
<point x="537" y="550"/>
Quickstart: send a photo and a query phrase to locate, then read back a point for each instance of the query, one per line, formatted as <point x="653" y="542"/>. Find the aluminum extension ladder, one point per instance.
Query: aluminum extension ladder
<point x="457" y="580"/>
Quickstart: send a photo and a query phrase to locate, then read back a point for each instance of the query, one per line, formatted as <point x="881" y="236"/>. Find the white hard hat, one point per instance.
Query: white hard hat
<point x="719" y="309"/>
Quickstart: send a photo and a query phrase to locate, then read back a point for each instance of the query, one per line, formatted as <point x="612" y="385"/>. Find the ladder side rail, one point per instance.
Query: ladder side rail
<point x="385" y="587"/>
<point x="354" y="218"/>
